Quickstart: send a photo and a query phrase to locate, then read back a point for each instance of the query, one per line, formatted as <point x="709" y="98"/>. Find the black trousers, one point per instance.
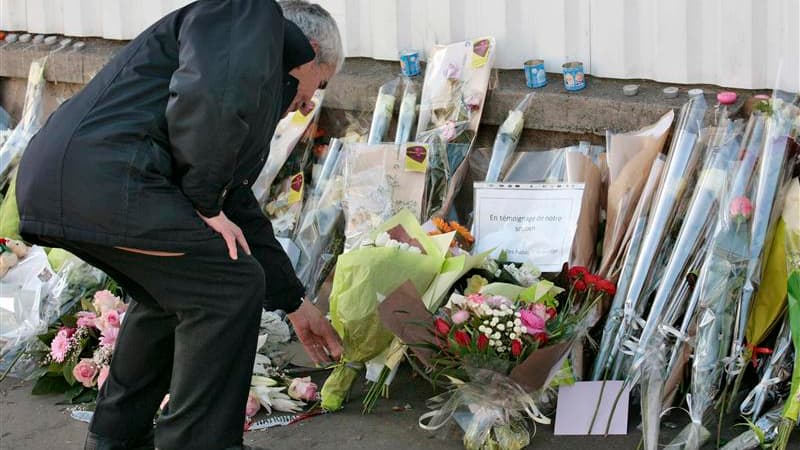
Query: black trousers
<point x="190" y="331"/>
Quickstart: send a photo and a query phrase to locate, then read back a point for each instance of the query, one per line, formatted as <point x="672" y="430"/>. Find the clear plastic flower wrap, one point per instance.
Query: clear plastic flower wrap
<point x="283" y="202"/>
<point x="697" y="227"/>
<point x="320" y="236"/>
<point x="506" y="141"/>
<point x="456" y="81"/>
<point x="773" y="168"/>
<point x="492" y="409"/>
<point x="288" y="133"/>
<point x="761" y="433"/>
<point x="377" y="185"/>
<point x="612" y="337"/>
<point x="776" y="373"/>
<point x="720" y="280"/>
<point x="382" y="115"/>
<point x="548" y="166"/>
<point x="630" y="157"/>
<point x="408" y="112"/>
<point x="679" y="171"/>
<point x="32" y="120"/>
<point x="34" y="298"/>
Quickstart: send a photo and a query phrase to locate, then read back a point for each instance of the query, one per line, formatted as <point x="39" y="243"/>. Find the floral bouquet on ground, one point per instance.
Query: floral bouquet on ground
<point x="79" y="349"/>
<point x="396" y="252"/>
<point x="497" y="345"/>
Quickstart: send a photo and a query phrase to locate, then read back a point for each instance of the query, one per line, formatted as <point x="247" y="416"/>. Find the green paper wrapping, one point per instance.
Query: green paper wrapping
<point x="364" y="277"/>
<point x="792" y="408"/>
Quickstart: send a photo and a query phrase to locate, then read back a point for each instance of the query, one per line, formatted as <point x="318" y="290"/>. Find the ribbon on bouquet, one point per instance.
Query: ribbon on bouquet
<point x="491" y="408"/>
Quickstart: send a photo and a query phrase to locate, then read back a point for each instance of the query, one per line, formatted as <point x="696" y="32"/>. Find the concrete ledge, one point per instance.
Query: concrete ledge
<point x="599" y="107"/>
<point x="64" y="66"/>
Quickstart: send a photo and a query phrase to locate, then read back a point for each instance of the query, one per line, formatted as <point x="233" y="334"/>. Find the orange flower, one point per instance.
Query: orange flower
<point x="462" y="232"/>
<point x="441" y="225"/>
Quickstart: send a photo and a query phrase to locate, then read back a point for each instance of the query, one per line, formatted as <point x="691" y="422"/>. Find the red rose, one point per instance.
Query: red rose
<point x="577" y="272"/>
<point x="541" y="339"/>
<point x="462" y="338"/>
<point x="483" y="342"/>
<point x="516" y="347"/>
<point x="580" y="286"/>
<point x="442" y="327"/>
<point x="551" y="312"/>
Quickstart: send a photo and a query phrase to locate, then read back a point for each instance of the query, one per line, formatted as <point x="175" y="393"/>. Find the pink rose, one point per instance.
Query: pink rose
<point x="534" y="319"/>
<point x="84" y="372"/>
<point x="104" y="300"/>
<point x="253" y="405"/>
<point x="112" y="318"/>
<point x="87" y="319"/>
<point x="303" y="389"/>
<point x="460" y="316"/>
<point x="741" y="209"/>
<point x="108" y="337"/>
<point x="101" y="377"/>
<point x="59" y="347"/>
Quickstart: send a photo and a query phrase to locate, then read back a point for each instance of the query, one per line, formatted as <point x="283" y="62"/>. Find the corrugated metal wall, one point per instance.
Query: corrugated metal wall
<point x="736" y="43"/>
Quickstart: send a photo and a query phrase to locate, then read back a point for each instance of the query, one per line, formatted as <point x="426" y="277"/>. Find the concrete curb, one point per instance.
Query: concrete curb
<point x="601" y="106"/>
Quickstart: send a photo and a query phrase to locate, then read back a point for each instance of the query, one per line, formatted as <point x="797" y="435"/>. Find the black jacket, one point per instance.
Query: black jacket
<point x="178" y="121"/>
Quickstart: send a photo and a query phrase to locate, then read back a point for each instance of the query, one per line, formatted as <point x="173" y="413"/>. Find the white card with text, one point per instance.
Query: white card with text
<point x="533" y="223"/>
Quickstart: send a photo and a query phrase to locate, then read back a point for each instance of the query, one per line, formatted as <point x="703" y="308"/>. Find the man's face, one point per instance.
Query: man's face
<point x="310" y="77"/>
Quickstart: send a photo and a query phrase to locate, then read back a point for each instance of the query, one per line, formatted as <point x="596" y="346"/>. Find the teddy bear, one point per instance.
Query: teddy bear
<point x="11" y="251"/>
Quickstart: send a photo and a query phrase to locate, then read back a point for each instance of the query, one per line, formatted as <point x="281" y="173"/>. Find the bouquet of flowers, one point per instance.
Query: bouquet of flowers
<point x="498" y="346"/>
<point x="28" y="126"/>
<point x="506" y="141"/>
<point x="384" y="108"/>
<point x="379" y="182"/>
<point x="396" y="252"/>
<point x="408" y="112"/>
<point x="451" y="104"/>
<point x="279" y="393"/>
<point x="319" y="237"/>
<point x="280" y="187"/>
<point x="79" y="349"/>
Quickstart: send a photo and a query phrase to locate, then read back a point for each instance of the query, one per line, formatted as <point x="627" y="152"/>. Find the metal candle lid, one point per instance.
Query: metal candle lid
<point x="695" y="92"/>
<point x="10" y="38"/>
<point x="670" y="92"/>
<point x="630" y="89"/>
<point x="50" y="40"/>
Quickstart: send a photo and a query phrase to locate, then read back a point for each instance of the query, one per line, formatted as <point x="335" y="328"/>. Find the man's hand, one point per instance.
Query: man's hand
<point x="317" y="335"/>
<point x="229" y="231"/>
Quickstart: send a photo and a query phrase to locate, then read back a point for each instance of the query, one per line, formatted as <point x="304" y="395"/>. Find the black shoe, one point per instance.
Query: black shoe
<point x="96" y="442"/>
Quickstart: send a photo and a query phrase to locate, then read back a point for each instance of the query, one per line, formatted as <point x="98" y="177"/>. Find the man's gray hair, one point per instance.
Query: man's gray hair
<point x="318" y="25"/>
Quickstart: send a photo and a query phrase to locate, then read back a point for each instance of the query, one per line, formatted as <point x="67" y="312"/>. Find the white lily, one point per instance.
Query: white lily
<point x="262" y="381"/>
<point x="274" y="398"/>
